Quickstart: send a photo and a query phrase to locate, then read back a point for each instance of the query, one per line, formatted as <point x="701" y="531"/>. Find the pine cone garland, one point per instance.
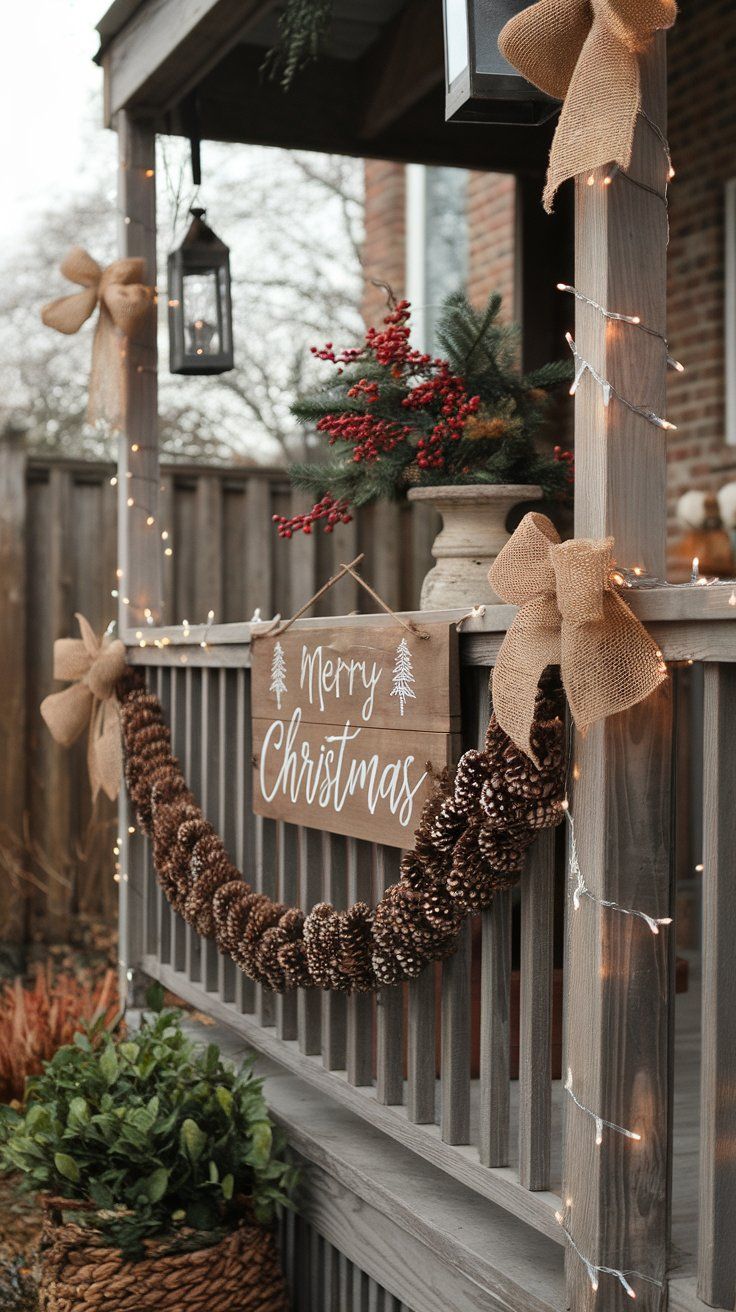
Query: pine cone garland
<point x="470" y="842"/>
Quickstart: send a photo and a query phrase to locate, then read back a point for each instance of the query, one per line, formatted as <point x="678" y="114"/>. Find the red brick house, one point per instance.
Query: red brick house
<point x="497" y="223"/>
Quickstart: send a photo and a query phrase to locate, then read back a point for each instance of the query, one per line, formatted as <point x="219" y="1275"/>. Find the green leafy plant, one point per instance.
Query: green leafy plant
<point x="160" y="1136"/>
<point x="398" y="417"/>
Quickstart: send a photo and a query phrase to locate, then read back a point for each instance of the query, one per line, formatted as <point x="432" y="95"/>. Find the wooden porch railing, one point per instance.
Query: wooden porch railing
<point x="500" y="1137"/>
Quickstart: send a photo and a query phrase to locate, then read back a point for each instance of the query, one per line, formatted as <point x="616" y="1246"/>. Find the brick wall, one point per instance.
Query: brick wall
<point x="492" y="238"/>
<point x="702" y="132"/>
<point x="384" y="257"/>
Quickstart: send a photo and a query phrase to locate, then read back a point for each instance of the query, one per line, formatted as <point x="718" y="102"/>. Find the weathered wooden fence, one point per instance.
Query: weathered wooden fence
<point x="58" y="526"/>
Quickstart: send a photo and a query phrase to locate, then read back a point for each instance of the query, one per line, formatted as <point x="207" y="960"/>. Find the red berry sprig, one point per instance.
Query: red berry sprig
<point x="328" y="511"/>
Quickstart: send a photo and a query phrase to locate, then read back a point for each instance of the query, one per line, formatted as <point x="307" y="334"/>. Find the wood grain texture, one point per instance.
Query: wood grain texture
<point x="420" y="1049"/>
<point x="455" y="1043"/>
<point x="389" y="1003"/>
<point x="495" y="1000"/>
<point x="12" y="668"/>
<point x="378" y="778"/>
<point x="334" y="1005"/>
<point x="717" y="1220"/>
<point x="309" y="891"/>
<point x="139" y="543"/>
<point x="337" y="674"/>
<point x="619" y="977"/>
<point x="360" y="1006"/>
<point x="535" y="1044"/>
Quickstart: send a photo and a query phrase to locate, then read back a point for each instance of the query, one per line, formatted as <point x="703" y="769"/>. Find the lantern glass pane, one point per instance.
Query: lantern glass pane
<point x="224" y="301"/>
<point x="456" y="37"/>
<point x="201" y="313"/>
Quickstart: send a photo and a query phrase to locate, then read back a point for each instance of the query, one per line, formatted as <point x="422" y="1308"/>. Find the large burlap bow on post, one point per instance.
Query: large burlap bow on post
<point x="569" y="615"/>
<point x="586" y="52"/>
<point x="93" y="667"/>
<point x="124" y="302"/>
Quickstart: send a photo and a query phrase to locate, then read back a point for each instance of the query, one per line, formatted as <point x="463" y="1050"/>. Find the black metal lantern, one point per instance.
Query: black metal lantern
<point x="480" y="85"/>
<point x="200" y="309"/>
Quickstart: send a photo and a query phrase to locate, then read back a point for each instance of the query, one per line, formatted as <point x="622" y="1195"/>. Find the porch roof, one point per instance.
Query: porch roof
<point x="378" y="90"/>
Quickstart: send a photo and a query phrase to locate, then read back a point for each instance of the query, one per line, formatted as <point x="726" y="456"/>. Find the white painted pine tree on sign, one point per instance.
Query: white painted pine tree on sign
<point x="403" y="676"/>
<point x="278" y="673"/>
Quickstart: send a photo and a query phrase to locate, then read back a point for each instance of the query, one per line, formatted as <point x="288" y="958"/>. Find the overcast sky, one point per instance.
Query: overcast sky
<point x="50" y="104"/>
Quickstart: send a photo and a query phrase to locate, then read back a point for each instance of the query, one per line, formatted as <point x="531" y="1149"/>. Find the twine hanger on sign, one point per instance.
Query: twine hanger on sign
<point x="409" y="625"/>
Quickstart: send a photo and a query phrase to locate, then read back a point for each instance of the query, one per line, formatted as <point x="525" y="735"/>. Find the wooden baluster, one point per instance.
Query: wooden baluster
<point x="212" y="800"/>
<point x="360" y="1005"/>
<point x="245" y="859"/>
<point x="717" y="1216"/>
<point x="455" y="1043"/>
<point x="228" y="801"/>
<point x="310" y="861"/>
<point x="389" y="1001"/>
<point x="287" y="837"/>
<point x="535" y="1043"/>
<point x="177" y="711"/>
<point x="265" y="882"/>
<point x="334" y="1005"/>
<point x="193" y="689"/>
<point x="495" y="1000"/>
<point x="421" y="1049"/>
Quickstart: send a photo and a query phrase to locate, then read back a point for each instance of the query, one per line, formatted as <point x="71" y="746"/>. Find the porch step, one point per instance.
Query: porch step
<point x="432" y="1242"/>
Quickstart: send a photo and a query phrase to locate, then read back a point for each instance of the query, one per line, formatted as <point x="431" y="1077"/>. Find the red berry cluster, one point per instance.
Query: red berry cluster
<point x="329" y="510"/>
<point x="564" y="457"/>
<point x="447" y="392"/>
<point x="369" y="437"/>
<point x="431" y="390"/>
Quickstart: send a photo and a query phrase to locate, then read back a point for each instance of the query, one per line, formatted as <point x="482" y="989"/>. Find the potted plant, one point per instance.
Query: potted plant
<point x="457" y="430"/>
<point x="160" y="1172"/>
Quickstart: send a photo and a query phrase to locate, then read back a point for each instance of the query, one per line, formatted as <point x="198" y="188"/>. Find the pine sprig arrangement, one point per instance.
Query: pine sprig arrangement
<point x="398" y="417"/>
<point x="303" y="27"/>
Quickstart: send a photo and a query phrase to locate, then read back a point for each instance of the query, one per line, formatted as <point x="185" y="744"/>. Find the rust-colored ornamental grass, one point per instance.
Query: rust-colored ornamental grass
<point x="37" y="1019"/>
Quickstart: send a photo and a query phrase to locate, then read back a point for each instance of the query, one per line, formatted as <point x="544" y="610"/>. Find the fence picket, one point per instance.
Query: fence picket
<point x="535" y="1045"/>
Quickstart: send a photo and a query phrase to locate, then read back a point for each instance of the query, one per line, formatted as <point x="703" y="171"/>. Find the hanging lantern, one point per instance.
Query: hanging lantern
<point x="200" y="310"/>
<point x="480" y="85"/>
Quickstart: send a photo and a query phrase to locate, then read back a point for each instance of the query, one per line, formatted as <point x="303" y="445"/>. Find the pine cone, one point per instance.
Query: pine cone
<point x="472" y="773"/>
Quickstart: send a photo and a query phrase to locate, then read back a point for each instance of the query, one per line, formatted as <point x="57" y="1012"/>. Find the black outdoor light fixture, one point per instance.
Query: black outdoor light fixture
<point x="200" y="309"/>
<point x="480" y="85"/>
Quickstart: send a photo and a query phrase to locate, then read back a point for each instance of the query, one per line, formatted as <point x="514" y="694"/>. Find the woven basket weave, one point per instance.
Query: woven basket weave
<point x="241" y="1273"/>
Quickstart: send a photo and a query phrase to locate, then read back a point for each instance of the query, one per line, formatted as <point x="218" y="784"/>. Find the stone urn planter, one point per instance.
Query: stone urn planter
<point x="473" y="532"/>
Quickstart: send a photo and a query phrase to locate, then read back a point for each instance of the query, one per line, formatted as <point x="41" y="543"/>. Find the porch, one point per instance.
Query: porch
<point x="434" y="1179"/>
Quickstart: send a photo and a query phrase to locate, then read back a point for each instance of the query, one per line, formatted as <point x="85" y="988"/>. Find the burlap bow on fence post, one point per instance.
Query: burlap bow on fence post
<point x="586" y="52"/>
<point x="124" y="302"/>
<point x="93" y="666"/>
<point x="570" y="615"/>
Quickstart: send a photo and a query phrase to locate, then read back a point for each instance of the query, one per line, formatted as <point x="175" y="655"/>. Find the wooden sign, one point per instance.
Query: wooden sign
<point x="350" y="724"/>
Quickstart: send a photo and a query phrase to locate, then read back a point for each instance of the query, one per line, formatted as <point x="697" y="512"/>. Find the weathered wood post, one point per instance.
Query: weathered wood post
<point x="12" y="669"/>
<point x="619" y="989"/>
<point x="139" y="531"/>
<point x="139" y="541"/>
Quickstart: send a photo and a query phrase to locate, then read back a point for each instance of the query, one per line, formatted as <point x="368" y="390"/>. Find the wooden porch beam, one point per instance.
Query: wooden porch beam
<point x="406" y="62"/>
<point x="619" y="977"/>
<point x="168" y="46"/>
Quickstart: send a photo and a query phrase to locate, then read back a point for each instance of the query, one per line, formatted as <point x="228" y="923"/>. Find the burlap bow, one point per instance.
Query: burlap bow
<point x="124" y="302"/>
<point x="586" y="52"/>
<point x="569" y="615"/>
<point x="93" y="667"/>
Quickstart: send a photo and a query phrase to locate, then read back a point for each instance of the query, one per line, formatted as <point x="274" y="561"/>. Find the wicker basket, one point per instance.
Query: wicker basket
<point x="241" y="1273"/>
